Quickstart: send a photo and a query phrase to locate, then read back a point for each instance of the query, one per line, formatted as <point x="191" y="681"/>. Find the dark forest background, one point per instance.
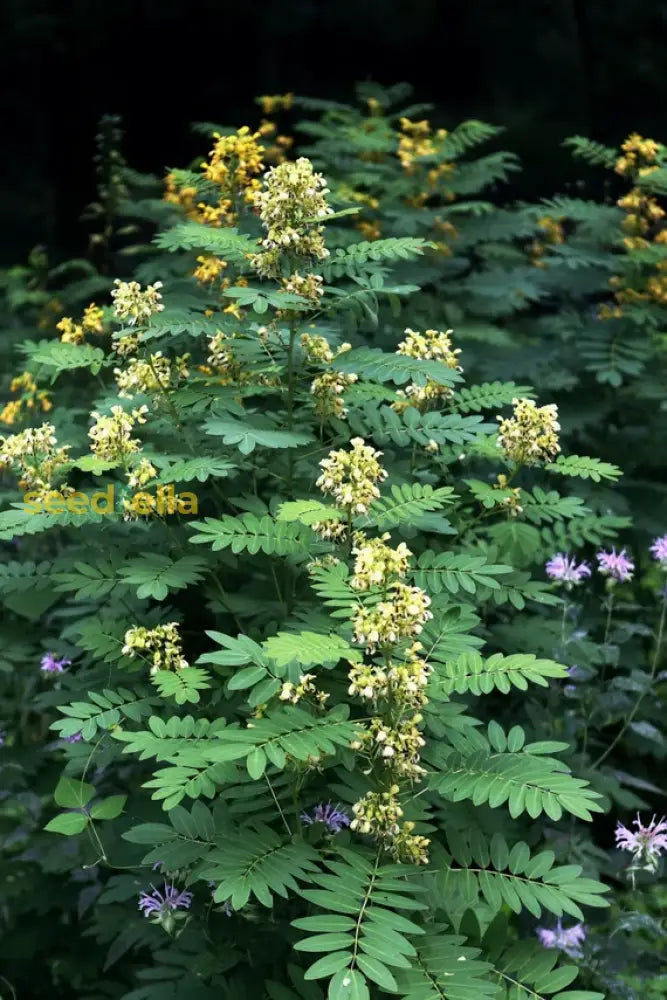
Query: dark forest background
<point x="545" y="69"/>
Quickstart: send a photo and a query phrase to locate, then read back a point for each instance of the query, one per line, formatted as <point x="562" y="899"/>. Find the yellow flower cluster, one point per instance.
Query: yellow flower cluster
<point x="309" y="286"/>
<point x="351" y="476"/>
<point x="234" y="163"/>
<point x="74" y="333"/>
<point x="32" y="397"/>
<point x="34" y="454"/>
<point x="398" y="745"/>
<point x="639" y="154"/>
<point x="403" y="683"/>
<point x="331" y="530"/>
<point x="126" y="345"/>
<point x="327" y="390"/>
<point x="162" y="645"/>
<point x="181" y="195"/>
<point x="318" y="350"/>
<point x="531" y="434"/>
<point x="410" y="848"/>
<point x="552" y="234"/>
<point x="155" y="374"/>
<point x="417" y="139"/>
<point x="511" y="501"/>
<point x="404" y="614"/>
<point x="642" y="213"/>
<point x="221" y="361"/>
<point x="111" y="437"/>
<point x="141" y="474"/>
<point x="290" y="204"/>
<point x="432" y="345"/>
<point x="276" y="102"/>
<point x="375" y="562"/>
<point x="378" y="814"/>
<point x="134" y="305"/>
<point x="295" y="692"/>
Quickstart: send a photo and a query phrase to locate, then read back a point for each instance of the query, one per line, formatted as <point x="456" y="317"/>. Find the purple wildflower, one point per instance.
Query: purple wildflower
<point x="161" y="904"/>
<point x="560" y="567"/>
<point x="2" y="737"/>
<point x="659" y="551"/>
<point x="334" y="819"/>
<point x="646" y="844"/>
<point x="74" y="738"/>
<point x="616" y="565"/>
<point x="50" y="665"/>
<point x="568" y="939"/>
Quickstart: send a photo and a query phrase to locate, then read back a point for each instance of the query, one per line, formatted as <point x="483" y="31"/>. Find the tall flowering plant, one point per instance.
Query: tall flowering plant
<point x="314" y="703"/>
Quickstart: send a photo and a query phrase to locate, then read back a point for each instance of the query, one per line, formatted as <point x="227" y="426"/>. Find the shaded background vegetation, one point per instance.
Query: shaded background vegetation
<point x="545" y="70"/>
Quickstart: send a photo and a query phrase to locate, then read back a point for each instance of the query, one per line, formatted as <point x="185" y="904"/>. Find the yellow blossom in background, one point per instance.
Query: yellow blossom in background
<point x="216" y="215"/>
<point x="531" y="434"/>
<point x="49" y="311"/>
<point x="183" y="196"/>
<point x="277" y="102"/>
<point x="24" y="381"/>
<point x="32" y="398"/>
<point x="369" y="230"/>
<point x="639" y="153"/>
<point x="552" y="234"/>
<point x="92" y="319"/>
<point x="10" y="412"/>
<point x="72" y="333"/>
<point x="209" y="269"/>
<point x="233" y="166"/>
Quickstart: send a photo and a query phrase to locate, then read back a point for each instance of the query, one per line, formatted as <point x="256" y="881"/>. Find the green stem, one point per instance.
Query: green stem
<point x="290" y="402"/>
<point x="642" y="695"/>
<point x="607" y="630"/>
